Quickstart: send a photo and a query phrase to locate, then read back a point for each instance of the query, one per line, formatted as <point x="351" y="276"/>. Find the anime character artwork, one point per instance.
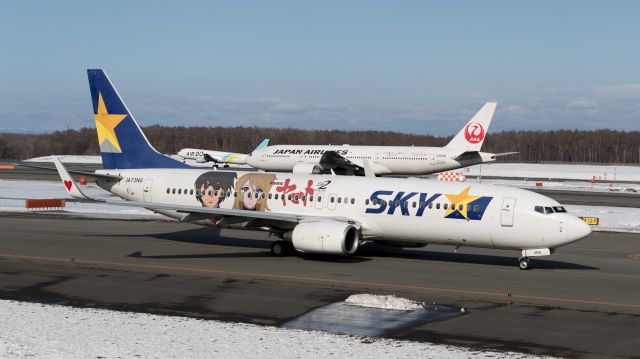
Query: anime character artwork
<point x="252" y="190"/>
<point x="213" y="187"/>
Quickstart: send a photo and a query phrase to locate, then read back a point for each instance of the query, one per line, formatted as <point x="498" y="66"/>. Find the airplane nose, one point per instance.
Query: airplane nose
<point x="578" y="229"/>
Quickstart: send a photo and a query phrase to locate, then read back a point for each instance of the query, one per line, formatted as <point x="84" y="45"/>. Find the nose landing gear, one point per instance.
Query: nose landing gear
<point x="525" y="263"/>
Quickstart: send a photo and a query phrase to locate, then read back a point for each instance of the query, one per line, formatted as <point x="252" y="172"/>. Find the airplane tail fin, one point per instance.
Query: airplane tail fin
<point x="262" y="145"/>
<point x="122" y="143"/>
<point x="472" y="135"/>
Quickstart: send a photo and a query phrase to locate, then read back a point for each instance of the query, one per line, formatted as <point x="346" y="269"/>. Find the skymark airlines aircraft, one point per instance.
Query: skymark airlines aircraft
<point x="462" y="151"/>
<point x="318" y="213"/>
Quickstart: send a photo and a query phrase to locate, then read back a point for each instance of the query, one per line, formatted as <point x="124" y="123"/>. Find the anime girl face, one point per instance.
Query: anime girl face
<point x="252" y="190"/>
<point x="212" y="187"/>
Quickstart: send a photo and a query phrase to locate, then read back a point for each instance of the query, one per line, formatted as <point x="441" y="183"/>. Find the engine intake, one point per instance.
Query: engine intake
<point x="328" y="237"/>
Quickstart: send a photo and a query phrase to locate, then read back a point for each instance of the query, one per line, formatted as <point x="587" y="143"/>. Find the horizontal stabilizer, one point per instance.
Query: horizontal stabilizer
<point x="506" y="154"/>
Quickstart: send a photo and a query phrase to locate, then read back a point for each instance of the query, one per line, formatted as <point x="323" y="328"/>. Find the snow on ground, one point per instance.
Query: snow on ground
<point x="612" y="219"/>
<point x="383" y="302"/>
<point x="569" y="185"/>
<point x="555" y="171"/>
<point x="54" y="331"/>
<point x="14" y="192"/>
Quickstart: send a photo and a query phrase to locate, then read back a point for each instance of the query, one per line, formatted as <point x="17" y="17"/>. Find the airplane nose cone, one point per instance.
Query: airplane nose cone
<point x="578" y="230"/>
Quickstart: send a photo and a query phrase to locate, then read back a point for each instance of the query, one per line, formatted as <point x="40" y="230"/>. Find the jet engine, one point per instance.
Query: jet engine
<point x="307" y="168"/>
<point x="328" y="237"/>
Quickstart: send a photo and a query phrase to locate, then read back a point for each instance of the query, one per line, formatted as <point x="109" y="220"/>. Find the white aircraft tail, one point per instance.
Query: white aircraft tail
<point x="472" y="135"/>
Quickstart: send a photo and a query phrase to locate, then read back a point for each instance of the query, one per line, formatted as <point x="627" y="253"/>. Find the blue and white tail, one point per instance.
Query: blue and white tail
<point x="122" y="143"/>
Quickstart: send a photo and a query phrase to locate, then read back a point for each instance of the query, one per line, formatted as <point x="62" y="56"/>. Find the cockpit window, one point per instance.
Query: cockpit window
<point x="559" y="209"/>
<point x="539" y="209"/>
<point x="548" y="210"/>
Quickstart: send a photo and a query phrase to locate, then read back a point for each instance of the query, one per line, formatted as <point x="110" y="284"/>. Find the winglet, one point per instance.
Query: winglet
<point x="368" y="171"/>
<point x="68" y="181"/>
<point x="262" y="145"/>
<point x="472" y="135"/>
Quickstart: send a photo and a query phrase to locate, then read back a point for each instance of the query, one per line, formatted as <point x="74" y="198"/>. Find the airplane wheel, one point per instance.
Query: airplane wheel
<point x="279" y="248"/>
<point x="525" y="264"/>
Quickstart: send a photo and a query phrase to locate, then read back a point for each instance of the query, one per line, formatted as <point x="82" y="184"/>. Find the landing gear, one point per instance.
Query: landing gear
<point x="281" y="248"/>
<point x="525" y="263"/>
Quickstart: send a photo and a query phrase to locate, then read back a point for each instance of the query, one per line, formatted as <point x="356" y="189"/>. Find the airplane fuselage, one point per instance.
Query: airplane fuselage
<point x="409" y="210"/>
<point x="384" y="160"/>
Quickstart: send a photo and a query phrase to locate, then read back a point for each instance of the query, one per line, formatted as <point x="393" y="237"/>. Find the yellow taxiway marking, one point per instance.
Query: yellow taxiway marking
<point x="88" y="263"/>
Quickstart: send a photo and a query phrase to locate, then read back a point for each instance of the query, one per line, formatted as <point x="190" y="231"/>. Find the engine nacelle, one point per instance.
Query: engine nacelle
<point x="307" y="168"/>
<point x="329" y="237"/>
<point x="201" y="159"/>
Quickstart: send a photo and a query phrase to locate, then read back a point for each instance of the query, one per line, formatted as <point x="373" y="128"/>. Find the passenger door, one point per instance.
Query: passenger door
<point x="146" y="190"/>
<point x="508" y="207"/>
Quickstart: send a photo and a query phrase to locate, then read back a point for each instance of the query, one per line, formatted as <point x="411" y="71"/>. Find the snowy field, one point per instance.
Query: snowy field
<point x="555" y="171"/>
<point x="12" y="192"/>
<point x="53" y="331"/>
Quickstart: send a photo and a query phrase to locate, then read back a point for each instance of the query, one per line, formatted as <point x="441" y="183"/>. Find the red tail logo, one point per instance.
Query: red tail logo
<point x="68" y="184"/>
<point x="474" y="132"/>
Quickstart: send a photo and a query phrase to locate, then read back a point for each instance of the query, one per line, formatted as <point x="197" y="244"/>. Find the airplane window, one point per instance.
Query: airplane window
<point x="270" y="195"/>
<point x="430" y="205"/>
<point x="296" y="197"/>
<point x="366" y="201"/>
<point x="414" y="204"/>
<point x="559" y="209"/>
<point x="438" y="206"/>
<point x="476" y="208"/>
<point x="248" y="194"/>
<point x="397" y="204"/>
<point x="191" y="192"/>
<point x="319" y="198"/>
<point x="453" y="206"/>
<point x="460" y="207"/>
<point x="548" y="210"/>
<point x="276" y="196"/>
<point x="310" y="198"/>
<point x="179" y="190"/>
<point x="353" y="200"/>
<point x="405" y="204"/>
<point x="289" y="197"/>
<point x="539" y="209"/>
<point x="332" y="199"/>
<point x="173" y="191"/>
<point x="422" y="205"/>
<point x="339" y="199"/>
<point x="235" y="194"/>
<point x="168" y="190"/>
<point x="446" y="205"/>
<point x="228" y="194"/>
<point x="303" y="198"/>
<point x="346" y="200"/>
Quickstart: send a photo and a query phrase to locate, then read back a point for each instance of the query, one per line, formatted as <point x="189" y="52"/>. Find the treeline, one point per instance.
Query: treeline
<point x="602" y="146"/>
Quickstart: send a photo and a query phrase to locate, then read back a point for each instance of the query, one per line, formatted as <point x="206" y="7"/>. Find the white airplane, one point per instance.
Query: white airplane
<point x="318" y="213"/>
<point x="462" y="151"/>
<point x="218" y="157"/>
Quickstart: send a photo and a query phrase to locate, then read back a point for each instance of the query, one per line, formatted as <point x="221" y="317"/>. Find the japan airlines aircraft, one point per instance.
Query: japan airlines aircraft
<point x="462" y="151"/>
<point x="318" y="213"/>
<point x="218" y="157"/>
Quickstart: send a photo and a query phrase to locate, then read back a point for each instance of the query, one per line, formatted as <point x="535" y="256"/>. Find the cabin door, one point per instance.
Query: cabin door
<point x="508" y="206"/>
<point x="146" y="190"/>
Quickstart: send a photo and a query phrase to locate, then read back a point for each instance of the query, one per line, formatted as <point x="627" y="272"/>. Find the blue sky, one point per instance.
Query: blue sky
<point x="417" y="67"/>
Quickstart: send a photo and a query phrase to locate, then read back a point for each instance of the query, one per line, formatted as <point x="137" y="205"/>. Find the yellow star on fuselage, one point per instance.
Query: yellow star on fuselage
<point x="106" y="124"/>
<point x="462" y="198"/>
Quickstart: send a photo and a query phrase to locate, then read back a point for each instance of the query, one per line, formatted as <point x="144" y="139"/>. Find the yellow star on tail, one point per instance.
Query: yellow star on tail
<point x="106" y="124"/>
<point x="458" y="199"/>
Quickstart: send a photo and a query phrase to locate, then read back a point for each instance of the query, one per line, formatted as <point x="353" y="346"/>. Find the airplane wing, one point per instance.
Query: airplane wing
<point x="81" y="173"/>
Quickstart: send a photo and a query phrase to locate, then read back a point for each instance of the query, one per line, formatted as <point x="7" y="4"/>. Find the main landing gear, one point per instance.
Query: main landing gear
<point x="525" y="263"/>
<point x="281" y="248"/>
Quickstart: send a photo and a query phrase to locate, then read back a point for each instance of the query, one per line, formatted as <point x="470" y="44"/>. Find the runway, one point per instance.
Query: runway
<point x="584" y="301"/>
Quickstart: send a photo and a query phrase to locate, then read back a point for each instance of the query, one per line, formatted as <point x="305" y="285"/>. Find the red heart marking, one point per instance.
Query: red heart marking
<point x="68" y="184"/>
